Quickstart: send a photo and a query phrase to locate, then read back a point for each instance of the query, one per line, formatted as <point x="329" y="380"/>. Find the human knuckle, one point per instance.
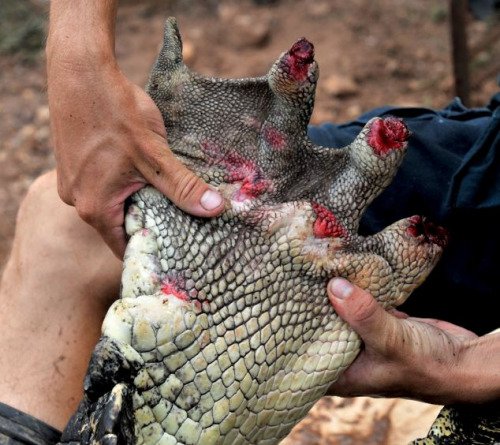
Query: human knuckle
<point x="139" y="143"/>
<point x="185" y="186"/>
<point x="364" y="310"/>
<point x="88" y="211"/>
<point x="65" y="194"/>
<point x="151" y="154"/>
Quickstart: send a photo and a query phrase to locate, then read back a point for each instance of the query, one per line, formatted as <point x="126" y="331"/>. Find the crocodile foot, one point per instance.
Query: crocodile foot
<point x="223" y="329"/>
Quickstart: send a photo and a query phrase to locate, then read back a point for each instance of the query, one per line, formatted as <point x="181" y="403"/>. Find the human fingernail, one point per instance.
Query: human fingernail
<point x="210" y="200"/>
<point x="340" y="288"/>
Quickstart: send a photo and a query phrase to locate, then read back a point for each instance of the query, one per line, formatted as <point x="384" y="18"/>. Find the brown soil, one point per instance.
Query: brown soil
<point x="370" y="54"/>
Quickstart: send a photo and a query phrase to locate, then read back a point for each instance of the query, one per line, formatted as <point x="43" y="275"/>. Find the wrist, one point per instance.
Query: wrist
<point x="476" y="376"/>
<point x="78" y="53"/>
<point x="81" y="34"/>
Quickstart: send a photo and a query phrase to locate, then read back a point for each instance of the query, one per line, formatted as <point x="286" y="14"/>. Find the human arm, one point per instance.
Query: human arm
<point x="108" y="135"/>
<point x="424" y="359"/>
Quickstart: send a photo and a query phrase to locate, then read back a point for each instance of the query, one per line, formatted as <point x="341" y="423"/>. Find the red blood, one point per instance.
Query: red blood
<point x="429" y="231"/>
<point x="298" y="59"/>
<point x="172" y="288"/>
<point x="387" y="134"/>
<point x="240" y="168"/>
<point x="251" y="188"/>
<point x="274" y="137"/>
<point x="237" y="166"/>
<point x="326" y="224"/>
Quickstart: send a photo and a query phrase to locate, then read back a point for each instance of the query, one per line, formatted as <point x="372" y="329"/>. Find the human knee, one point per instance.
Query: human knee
<point x="41" y="194"/>
<point x="46" y="182"/>
<point x="79" y="258"/>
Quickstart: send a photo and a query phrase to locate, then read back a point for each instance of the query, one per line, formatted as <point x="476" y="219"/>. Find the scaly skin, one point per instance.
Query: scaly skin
<point x="465" y="424"/>
<point x="223" y="333"/>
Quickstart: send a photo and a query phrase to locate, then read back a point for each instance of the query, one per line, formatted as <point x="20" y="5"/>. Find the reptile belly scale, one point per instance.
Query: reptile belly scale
<point x="223" y="333"/>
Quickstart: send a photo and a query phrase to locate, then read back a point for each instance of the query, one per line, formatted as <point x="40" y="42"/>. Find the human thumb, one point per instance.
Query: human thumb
<point x="186" y="190"/>
<point x="358" y="308"/>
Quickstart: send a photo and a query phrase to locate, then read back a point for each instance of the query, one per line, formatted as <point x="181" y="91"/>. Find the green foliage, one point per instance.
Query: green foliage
<point x="22" y="28"/>
<point x="439" y="12"/>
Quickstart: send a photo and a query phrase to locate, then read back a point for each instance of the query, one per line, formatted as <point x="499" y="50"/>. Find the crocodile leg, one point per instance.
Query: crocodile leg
<point x="223" y="327"/>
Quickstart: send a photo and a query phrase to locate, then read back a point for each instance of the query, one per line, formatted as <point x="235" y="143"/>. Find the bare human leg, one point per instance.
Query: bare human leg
<point x="55" y="290"/>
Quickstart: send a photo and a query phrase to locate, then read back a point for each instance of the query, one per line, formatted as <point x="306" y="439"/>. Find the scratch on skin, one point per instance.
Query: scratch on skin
<point x="56" y="362"/>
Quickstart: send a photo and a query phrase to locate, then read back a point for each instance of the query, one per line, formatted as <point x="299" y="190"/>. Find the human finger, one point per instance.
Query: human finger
<point x="171" y="177"/>
<point x="358" y="308"/>
<point x="108" y="224"/>
<point x="105" y="211"/>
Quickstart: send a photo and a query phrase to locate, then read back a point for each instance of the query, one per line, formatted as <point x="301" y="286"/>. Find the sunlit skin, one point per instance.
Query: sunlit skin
<point x="122" y="118"/>
<point x="108" y="135"/>
<point x="400" y="351"/>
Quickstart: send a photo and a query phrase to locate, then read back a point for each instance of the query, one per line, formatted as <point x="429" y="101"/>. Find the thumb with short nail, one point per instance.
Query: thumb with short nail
<point x="358" y="308"/>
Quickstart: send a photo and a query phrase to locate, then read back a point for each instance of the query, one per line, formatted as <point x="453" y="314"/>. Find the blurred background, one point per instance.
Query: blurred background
<point x="397" y="52"/>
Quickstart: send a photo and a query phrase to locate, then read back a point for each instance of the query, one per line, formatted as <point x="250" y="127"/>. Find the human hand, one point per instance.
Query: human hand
<point x="108" y="135"/>
<point x="424" y="359"/>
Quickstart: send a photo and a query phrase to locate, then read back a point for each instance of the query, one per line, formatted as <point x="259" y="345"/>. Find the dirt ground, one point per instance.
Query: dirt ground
<point x="370" y="54"/>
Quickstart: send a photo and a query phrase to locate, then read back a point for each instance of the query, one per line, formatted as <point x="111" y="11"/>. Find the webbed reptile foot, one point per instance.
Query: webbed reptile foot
<point x="229" y="317"/>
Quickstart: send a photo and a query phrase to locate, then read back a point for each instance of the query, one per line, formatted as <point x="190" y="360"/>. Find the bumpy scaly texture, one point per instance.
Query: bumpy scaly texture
<point x="465" y="425"/>
<point x="224" y="333"/>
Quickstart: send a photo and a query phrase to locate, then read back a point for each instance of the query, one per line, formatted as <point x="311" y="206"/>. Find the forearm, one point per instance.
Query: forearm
<point x="477" y="377"/>
<point x="80" y="63"/>
<point x="81" y="32"/>
<point x="467" y="371"/>
<point x="104" y="126"/>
